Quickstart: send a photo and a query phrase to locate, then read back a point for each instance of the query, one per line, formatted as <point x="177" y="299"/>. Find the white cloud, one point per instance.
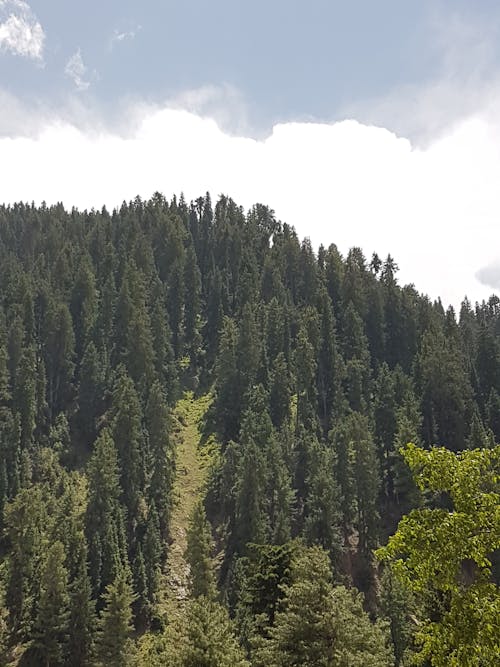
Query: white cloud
<point x="20" y="32"/>
<point x="76" y="70"/>
<point x="435" y="209"/>
<point x="462" y="76"/>
<point x="123" y="35"/>
<point x="489" y="275"/>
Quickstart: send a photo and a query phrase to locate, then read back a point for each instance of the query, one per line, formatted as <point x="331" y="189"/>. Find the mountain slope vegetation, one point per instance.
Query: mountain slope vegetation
<point x="306" y="373"/>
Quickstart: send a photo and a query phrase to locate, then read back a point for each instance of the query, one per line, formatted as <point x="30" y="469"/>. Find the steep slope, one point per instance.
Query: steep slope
<point x="191" y="465"/>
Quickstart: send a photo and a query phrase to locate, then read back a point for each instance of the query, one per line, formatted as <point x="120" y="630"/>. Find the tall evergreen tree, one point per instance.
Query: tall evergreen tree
<point x="82" y="619"/>
<point x="161" y="452"/>
<point x="115" y="646"/>
<point x="51" y="626"/>
<point x="198" y="554"/>
<point x="105" y="516"/>
<point x="126" y="421"/>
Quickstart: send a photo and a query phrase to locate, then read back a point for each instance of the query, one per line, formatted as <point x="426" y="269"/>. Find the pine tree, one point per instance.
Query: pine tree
<point x="141" y="605"/>
<point x="198" y="554"/>
<point x="192" y="313"/>
<point x="279" y="493"/>
<point x="105" y="516"/>
<point x="279" y="393"/>
<point x="318" y="624"/>
<point x="152" y="552"/>
<point x="126" y="420"/>
<point x="210" y="638"/>
<point x="446" y="391"/>
<point x="228" y="391"/>
<point x="59" y="348"/>
<point x="247" y="350"/>
<point x="306" y="368"/>
<point x="84" y="304"/>
<point x="397" y="605"/>
<point x="385" y="425"/>
<point x="322" y="509"/>
<point x="90" y="392"/>
<point x="367" y="481"/>
<point x="164" y="361"/>
<point x="51" y="626"/>
<point x="329" y="370"/>
<point x="251" y="520"/>
<point x="115" y="647"/>
<point x="25" y="396"/>
<point x="161" y="453"/>
<point x="26" y="522"/>
<point x="82" y="619"/>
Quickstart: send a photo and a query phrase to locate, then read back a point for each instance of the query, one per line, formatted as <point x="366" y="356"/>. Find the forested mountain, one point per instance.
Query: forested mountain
<point x="318" y="368"/>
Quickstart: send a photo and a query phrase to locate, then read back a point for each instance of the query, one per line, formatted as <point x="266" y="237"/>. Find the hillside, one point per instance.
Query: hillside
<point x="169" y="353"/>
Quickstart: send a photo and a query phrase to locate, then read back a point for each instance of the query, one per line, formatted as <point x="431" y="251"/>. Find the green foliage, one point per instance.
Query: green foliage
<point x="105" y="524"/>
<point x="51" y="625"/>
<point x="399" y="608"/>
<point x="82" y="619"/>
<point x="115" y="647"/>
<point x="447" y="553"/>
<point x="198" y="554"/>
<point x="210" y="639"/>
<point x="321" y="368"/>
<point x="318" y="624"/>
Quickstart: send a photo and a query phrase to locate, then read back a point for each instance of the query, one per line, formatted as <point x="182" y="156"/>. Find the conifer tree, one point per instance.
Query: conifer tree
<point x="198" y="554"/>
<point x="279" y="392"/>
<point x="90" y="392"/>
<point x="26" y="521"/>
<point x="367" y="480"/>
<point x="306" y="368"/>
<point x="192" y="313"/>
<point x="251" y="518"/>
<point x="25" y="396"/>
<point x="164" y="361"/>
<point x="82" y="619"/>
<point x="161" y="454"/>
<point x="247" y="350"/>
<point x="84" y="304"/>
<point x="210" y="638"/>
<point x="228" y="391"/>
<point x="59" y="348"/>
<point x="329" y="372"/>
<point x="51" y="626"/>
<point x="397" y="605"/>
<point x="493" y="413"/>
<point x="126" y="420"/>
<point x="105" y="517"/>
<point x="322" y="509"/>
<point x="318" y="624"/>
<point x="115" y="647"/>
<point x="279" y="493"/>
<point x="152" y="552"/>
<point x="141" y="605"/>
<point x="446" y="392"/>
<point x="385" y="425"/>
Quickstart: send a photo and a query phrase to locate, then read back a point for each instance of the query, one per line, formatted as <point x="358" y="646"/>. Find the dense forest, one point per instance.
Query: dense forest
<point x="309" y="372"/>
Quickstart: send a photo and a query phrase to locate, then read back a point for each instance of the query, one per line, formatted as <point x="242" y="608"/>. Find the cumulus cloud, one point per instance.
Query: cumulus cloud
<point x="489" y="275"/>
<point x="435" y="209"/>
<point x="76" y="70"/>
<point x="464" y="47"/>
<point x="20" y="32"/>
<point x="223" y="103"/>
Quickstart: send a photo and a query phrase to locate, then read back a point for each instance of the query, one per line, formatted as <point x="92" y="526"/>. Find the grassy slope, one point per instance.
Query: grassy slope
<point x="192" y="466"/>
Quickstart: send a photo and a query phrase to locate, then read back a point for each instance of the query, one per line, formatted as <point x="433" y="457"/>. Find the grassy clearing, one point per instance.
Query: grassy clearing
<point x="192" y="464"/>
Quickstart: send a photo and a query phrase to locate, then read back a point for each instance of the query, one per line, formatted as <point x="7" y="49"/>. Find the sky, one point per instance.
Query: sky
<point x="362" y="124"/>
